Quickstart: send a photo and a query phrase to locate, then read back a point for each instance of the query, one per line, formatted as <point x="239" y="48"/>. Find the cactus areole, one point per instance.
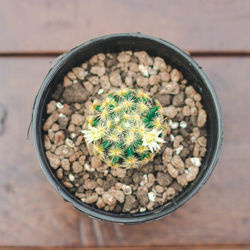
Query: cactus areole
<point x="126" y="128"/>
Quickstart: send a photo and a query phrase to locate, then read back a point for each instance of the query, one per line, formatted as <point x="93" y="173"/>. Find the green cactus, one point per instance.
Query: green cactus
<point x="125" y="128"/>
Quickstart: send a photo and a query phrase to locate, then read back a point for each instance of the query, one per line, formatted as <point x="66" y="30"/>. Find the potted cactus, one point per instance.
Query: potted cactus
<point x="123" y="124"/>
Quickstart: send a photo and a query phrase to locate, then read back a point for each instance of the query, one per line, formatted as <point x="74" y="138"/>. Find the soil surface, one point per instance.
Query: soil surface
<point x="125" y="190"/>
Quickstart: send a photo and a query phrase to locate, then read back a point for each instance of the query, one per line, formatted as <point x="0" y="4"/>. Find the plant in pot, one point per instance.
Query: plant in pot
<point x="127" y="127"/>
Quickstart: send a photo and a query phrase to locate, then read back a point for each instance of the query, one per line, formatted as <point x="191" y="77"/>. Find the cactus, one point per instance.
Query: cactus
<point x="125" y="128"/>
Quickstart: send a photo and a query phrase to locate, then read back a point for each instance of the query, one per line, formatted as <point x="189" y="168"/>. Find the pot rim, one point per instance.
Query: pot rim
<point x="148" y="216"/>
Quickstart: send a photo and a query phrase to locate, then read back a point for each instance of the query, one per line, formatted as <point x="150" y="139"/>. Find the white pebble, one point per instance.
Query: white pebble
<point x="144" y="180"/>
<point x="179" y="149"/>
<point x="62" y="115"/>
<point x="171" y="137"/>
<point x="151" y="196"/>
<point x="142" y="209"/>
<point x="183" y="124"/>
<point x="59" y="105"/>
<point x="73" y="135"/>
<point x="69" y="143"/>
<point x="88" y="168"/>
<point x="126" y="189"/>
<point x="196" y="161"/>
<point x="144" y="70"/>
<point x="174" y="125"/>
<point x="75" y="81"/>
<point x="105" y="172"/>
<point x="100" y="91"/>
<point x="71" y="177"/>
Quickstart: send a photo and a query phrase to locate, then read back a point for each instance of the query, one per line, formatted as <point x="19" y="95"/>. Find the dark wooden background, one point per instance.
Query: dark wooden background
<point x="34" y="32"/>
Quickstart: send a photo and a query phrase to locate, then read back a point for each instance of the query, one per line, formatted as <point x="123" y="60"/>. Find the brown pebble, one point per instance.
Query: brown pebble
<point x="178" y="163"/>
<point x="47" y="143"/>
<point x="119" y="195"/>
<point x="170" y="193"/>
<point x="178" y="100"/>
<point x="55" y="127"/>
<point x="190" y="91"/>
<point x="100" y="203"/>
<point x="91" y="198"/>
<point x="130" y="203"/>
<point x="151" y="180"/>
<point x="71" y="76"/>
<point x="169" y="111"/>
<point x="142" y="81"/>
<point x="121" y="173"/>
<point x="90" y="184"/>
<point x="99" y="190"/>
<point x="82" y="159"/>
<point x="97" y="70"/>
<point x="164" y="99"/>
<point x="51" y="107"/>
<point x="68" y="184"/>
<point x="154" y="80"/>
<point x="95" y="162"/>
<point x="89" y="87"/>
<point x="94" y="80"/>
<point x="167" y="155"/>
<point x="196" y="150"/>
<point x="175" y="75"/>
<point x="77" y="119"/>
<point x="115" y="78"/>
<point x="54" y="160"/>
<point x="123" y="57"/>
<point x="77" y="167"/>
<point x="164" y="76"/>
<point x="75" y="93"/>
<point x="144" y="58"/>
<point x="50" y="120"/>
<point x="108" y="198"/>
<point x="160" y="64"/>
<point x="59" y="138"/>
<point x="79" y="72"/>
<point x="182" y="180"/>
<point x="67" y="82"/>
<point x="59" y="173"/>
<point x="159" y="189"/>
<point x="163" y="179"/>
<point x="202" y="118"/>
<point x="186" y="111"/>
<point x="142" y="195"/>
<point x="65" y="164"/>
<point x="170" y="88"/>
<point x="105" y="82"/>
<point x="172" y="171"/>
<point x="192" y="173"/>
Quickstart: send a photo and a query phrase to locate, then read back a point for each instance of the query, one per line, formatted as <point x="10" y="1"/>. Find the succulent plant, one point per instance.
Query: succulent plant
<point x="126" y="128"/>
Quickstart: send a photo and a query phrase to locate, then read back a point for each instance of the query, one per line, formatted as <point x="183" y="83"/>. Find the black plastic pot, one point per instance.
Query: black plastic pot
<point x="155" y="47"/>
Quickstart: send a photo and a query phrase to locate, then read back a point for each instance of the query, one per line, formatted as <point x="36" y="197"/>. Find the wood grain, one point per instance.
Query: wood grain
<point x="220" y="212"/>
<point x="210" y="247"/>
<point x="55" y="26"/>
<point x="32" y="213"/>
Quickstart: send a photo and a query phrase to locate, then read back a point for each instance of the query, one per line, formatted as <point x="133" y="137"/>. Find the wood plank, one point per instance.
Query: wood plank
<point x="210" y="247"/>
<point x="220" y="212"/>
<point x="31" y="212"/>
<point x="49" y="26"/>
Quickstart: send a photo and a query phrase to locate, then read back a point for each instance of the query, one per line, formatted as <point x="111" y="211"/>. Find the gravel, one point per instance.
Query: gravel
<point x="125" y="190"/>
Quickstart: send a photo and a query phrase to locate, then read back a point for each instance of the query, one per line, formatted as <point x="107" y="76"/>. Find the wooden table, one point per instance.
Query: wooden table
<point x="34" y="32"/>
